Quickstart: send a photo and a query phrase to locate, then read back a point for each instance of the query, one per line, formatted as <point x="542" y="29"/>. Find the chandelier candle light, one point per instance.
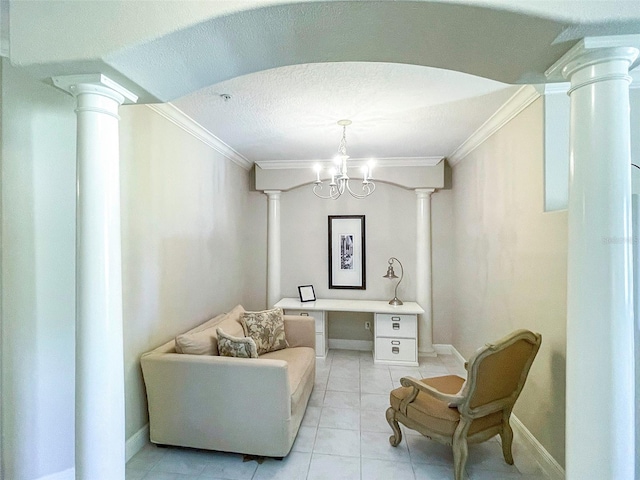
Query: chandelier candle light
<point x="339" y="177"/>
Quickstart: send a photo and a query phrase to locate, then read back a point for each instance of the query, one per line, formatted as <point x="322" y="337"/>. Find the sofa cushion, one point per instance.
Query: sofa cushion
<point x="198" y="343"/>
<point x="204" y="341"/>
<point x="301" y="367"/>
<point x="266" y="328"/>
<point x="241" y="347"/>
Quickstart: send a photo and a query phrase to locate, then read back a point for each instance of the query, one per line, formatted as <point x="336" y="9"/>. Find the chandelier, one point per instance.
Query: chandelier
<point x="339" y="176"/>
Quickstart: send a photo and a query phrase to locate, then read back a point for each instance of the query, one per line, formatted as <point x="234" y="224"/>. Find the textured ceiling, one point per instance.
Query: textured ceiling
<point x="290" y="113"/>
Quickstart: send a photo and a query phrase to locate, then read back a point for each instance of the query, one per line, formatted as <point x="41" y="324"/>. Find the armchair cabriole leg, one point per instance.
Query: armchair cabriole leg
<point x="460" y="449"/>
<point x="396" y="438"/>
<point x="507" y="438"/>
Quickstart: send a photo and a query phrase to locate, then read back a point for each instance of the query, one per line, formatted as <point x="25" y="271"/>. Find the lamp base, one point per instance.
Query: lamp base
<point x="395" y="301"/>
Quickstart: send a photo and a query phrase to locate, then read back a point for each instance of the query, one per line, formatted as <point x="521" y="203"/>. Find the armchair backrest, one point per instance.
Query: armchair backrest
<point x="497" y="373"/>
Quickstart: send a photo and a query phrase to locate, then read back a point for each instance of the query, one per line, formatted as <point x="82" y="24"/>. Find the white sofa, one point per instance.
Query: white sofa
<point x="250" y="406"/>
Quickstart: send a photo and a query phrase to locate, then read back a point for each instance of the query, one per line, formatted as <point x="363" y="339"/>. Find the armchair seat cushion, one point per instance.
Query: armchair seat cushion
<point x="437" y="414"/>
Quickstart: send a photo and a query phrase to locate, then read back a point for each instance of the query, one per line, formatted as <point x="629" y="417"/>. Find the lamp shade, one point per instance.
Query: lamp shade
<point x="390" y="273"/>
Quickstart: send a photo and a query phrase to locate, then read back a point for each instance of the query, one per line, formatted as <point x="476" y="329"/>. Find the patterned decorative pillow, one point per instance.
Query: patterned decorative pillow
<point x="229" y="346"/>
<point x="266" y="328"/>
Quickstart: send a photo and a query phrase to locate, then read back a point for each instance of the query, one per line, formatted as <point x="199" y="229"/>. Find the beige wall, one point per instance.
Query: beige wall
<point x="184" y="240"/>
<point x="390" y="216"/>
<point x="443" y="266"/>
<point x="510" y="260"/>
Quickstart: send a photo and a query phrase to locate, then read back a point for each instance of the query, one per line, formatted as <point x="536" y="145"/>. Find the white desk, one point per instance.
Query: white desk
<point x="395" y="327"/>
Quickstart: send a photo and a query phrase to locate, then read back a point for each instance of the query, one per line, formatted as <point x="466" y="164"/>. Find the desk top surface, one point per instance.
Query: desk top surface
<point x="334" y="305"/>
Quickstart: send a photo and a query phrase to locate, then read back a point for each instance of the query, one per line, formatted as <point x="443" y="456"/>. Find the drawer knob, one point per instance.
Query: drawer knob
<point x="395" y="342"/>
<point x="395" y="319"/>
<point x="304" y="314"/>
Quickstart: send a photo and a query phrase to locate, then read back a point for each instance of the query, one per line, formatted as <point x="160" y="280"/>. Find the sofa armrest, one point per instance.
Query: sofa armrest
<point x="300" y="331"/>
<point x="196" y="399"/>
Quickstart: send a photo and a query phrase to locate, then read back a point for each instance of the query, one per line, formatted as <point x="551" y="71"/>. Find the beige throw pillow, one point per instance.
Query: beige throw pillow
<point x="229" y="346"/>
<point x="198" y="343"/>
<point x="266" y="328"/>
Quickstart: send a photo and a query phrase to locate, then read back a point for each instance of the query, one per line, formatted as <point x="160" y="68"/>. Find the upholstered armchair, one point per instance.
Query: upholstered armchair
<point x="456" y="412"/>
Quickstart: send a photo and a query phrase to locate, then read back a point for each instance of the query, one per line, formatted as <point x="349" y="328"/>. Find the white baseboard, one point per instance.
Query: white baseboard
<point x="447" y="349"/>
<point x="547" y="463"/>
<point x="69" y="474"/>
<point x="341" y="344"/>
<point x="136" y="442"/>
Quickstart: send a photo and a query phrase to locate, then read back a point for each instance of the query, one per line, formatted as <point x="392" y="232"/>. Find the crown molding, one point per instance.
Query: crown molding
<point x="520" y="100"/>
<point x="189" y="125"/>
<point x="353" y="162"/>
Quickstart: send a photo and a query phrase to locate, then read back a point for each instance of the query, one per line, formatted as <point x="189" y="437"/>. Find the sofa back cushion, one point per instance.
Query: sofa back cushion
<point x="205" y="341"/>
<point x="266" y="328"/>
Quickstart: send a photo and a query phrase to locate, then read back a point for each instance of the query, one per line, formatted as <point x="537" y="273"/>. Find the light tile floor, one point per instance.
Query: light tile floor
<point x="344" y="435"/>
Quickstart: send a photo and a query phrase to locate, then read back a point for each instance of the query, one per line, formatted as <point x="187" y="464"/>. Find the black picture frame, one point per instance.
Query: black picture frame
<point x="347" y="252"/>
<point x="306" y="293"/>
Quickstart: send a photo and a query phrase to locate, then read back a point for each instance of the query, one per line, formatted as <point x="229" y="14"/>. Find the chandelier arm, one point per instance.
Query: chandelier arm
<point x="334" y="193"/>
<point x="368" y="192"/>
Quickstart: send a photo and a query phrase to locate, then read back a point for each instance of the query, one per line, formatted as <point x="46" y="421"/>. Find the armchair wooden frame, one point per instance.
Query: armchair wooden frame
<point x="467" y="405"/>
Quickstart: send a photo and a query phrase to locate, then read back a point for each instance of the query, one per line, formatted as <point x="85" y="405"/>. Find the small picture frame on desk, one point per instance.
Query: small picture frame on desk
<point x="306" y="293"/>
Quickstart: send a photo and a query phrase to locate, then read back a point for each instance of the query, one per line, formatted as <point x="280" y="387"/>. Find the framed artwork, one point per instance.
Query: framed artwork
<point x="306" y="293"/>
<point x="347" y="258"/>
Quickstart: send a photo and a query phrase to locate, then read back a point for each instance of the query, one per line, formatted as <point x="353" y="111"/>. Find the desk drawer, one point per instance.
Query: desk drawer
<point x="396" y="349"/>
<point x="318" y="315"/>
<point x="396" y="325"/>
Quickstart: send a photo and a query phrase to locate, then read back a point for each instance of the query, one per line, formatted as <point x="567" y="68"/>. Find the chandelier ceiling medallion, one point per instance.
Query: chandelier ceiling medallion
<point x="339" y="177"/>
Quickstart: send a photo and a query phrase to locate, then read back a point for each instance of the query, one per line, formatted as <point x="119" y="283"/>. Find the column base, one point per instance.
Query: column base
<point x="427" y="352"/>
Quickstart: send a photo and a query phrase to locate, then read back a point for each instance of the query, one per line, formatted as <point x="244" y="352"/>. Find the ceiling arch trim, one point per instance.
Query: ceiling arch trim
<point x="394" y="162"/>
<point x="410" y="177"/>
<point x="433" y="34"/>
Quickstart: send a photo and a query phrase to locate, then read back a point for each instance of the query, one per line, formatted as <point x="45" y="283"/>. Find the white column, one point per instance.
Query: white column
<point x="273" y="247"/>
<point x="423" y="271"/>
<point x="600" y="376"/>
<point x="100" y="414"/>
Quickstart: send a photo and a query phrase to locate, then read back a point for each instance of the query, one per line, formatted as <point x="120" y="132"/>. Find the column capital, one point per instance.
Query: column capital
<point x="96" y="83"/>
<point x="424" y="192"/>
<point x="592" y="51"/>
<point x="272" y="193"/>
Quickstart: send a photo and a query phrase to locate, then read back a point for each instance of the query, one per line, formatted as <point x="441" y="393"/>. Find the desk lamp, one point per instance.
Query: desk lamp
<point x="391" y="275"/>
